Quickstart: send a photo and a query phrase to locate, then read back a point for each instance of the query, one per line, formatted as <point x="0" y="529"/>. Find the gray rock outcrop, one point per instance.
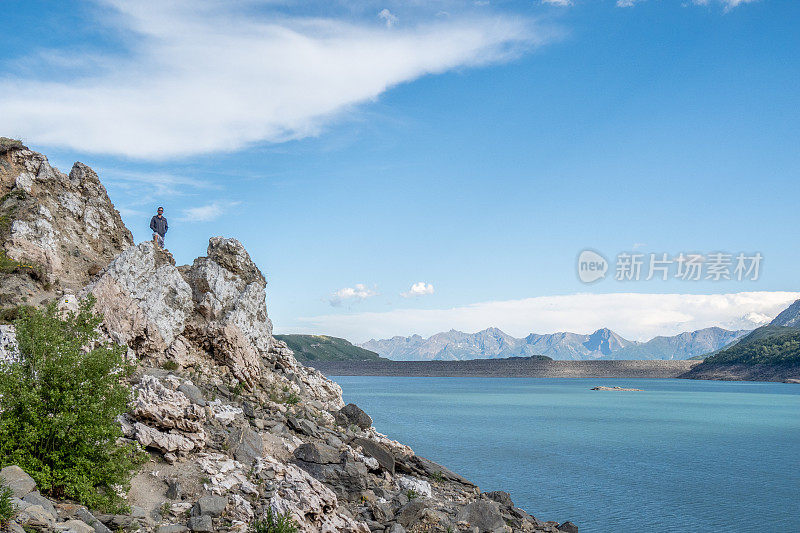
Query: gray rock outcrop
<point x="60" y="228"/>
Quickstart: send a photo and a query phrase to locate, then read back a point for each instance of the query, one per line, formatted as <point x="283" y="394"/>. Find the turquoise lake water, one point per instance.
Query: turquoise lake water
<point x="681" y="456"/>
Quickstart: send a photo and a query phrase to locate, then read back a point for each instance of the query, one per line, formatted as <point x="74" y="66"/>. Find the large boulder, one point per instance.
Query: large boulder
<point x="230" y="320"/>
<point x="144" y="300"/>
<point x="20" y="483"/>
<point x="483" y="514"/>
<point x="352" y="414"/>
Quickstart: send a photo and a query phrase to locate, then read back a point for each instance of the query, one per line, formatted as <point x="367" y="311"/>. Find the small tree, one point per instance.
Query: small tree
<point x="59" y="406"/>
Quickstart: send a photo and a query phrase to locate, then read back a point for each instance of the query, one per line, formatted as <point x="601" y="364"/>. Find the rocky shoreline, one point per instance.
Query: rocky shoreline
<point x="512" y="367"/>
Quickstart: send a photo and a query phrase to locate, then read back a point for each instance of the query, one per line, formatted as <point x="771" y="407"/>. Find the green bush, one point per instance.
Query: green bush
<point x="274" y="523"/>
<point x="59" y="405"/>
<point x="6" y="508"/>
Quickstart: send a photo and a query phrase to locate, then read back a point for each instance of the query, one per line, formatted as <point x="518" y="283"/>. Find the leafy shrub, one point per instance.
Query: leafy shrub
<point x="6" y="508"/>
<point x="274" y="523"/>
<point x="59" y="404"/>
<point x="411" y="494"/>
<point x="169" y="365"/>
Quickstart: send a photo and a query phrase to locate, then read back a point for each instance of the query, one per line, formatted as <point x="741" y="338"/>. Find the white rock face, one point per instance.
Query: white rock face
<point x="66" y="224"/>
<point x="420" y="486"/>
<point x="230" y="319"/>
<point x="164" y="419"/>
<point x="312" y="505"/>
<point x="9" y="351"/>
<point x="143" y="298"/>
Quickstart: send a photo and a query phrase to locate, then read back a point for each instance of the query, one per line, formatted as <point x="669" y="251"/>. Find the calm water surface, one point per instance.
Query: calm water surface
<point x="683" y="454"/>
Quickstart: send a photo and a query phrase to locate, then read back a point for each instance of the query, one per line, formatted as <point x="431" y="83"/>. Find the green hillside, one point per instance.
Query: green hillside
<point x="771" y="345"/>
<point x="324" y="348"/>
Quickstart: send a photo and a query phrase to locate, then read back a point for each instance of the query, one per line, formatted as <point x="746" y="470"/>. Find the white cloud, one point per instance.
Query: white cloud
<point x="203" y="76"/>
<point x="558" y="2"/>
<point x="634" y="316"/>
<point x="358" y="292"/>
<point x="418" y="289"/>
<point x="729" y="4"/>
<point x="158" y="184"/>
<point x="388" y="17"/>
<point x="206" y="213"/>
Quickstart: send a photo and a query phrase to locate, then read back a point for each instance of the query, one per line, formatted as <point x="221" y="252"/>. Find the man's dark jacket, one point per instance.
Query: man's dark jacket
<point x="159" y="225"/>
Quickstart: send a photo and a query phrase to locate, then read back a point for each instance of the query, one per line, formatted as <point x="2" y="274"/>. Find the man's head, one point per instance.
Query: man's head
<point x="160" y="211"/>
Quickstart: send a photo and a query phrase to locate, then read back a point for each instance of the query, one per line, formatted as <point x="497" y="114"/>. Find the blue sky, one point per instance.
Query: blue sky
<point x="473" y="149"/>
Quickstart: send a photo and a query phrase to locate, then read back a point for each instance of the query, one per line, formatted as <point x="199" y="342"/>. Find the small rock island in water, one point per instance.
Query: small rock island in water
<point x="616" y="389"/>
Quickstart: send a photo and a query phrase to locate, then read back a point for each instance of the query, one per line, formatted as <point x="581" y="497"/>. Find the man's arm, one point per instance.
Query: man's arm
<point x="153" y="223"/>
<point x="166" y="226"/>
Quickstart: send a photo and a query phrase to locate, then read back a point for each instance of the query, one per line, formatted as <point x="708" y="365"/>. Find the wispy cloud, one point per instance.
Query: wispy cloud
<point x="635" y="316"/>
<point x="729" y="4"/>
<point x="358" y="292"/>
<point x="158" y="184"/>
<point x="418" y="289"/>
<point x="208" y="212"/>
<point x="563" y="3"/>
<point x="388" y="17"/>
<point x="204" y="76"/>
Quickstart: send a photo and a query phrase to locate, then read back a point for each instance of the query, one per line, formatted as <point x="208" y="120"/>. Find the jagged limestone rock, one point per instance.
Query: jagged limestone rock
<point x="164" y="419"/>
<point x="310" y="503"/>
<point x="143" y="299"/>
<point x="230" y="319"/>
<point x="60" y="227"/>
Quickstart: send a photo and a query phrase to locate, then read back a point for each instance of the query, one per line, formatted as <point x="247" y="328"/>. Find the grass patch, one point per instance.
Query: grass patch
<point x="274" y="522"/>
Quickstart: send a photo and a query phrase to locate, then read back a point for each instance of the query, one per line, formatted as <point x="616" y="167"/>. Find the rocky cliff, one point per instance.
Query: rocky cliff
<point x="56" y="229"/>
<point x="234" y="425"/>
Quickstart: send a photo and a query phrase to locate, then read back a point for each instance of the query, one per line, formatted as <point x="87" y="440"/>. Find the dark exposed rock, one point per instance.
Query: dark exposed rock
<point x="420" y="466"/>
<point x="347" y="479"/>
<point x="483" y="514"/>
<point x="192" y="392"/>
<point x="501" y="497"/>
<point x="410" y="512"/>
<point x="306" y="427"/>
<point x="314" y="452"/>
<point x="34" y="498"/>
<point x="211" y="505"/>
<point x="89" y="518"/>
<point x="352" y="414"/>
<point x="201" y="524"/>
<point x="246" y="444"/>
<point x="173" y="528"/>
<point x="174" y="489"/>
<point x="568" y="527"/>
<point x="377" y="451"/>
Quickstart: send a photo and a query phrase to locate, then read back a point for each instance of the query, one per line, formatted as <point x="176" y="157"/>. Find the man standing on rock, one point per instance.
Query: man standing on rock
<point x="159" y="226"/>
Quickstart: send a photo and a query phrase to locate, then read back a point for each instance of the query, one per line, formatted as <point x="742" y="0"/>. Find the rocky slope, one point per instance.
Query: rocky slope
<point x="493" y="343"/>
<point x="234" y="425"/>
<point x="56" y="229"/>
<point x="768" y="353"/>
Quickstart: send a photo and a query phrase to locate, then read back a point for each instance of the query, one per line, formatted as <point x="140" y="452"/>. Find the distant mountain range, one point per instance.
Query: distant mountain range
<point x="492" y="343"/>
